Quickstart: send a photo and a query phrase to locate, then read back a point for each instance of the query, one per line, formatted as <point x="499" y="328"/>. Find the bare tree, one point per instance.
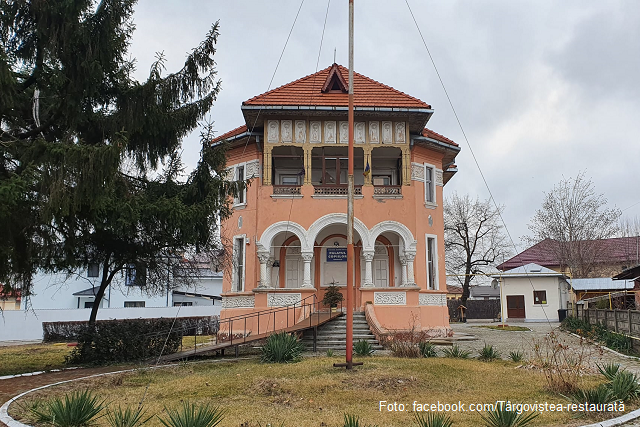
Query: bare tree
<point x="474" y="238"/>
<point x="629" y="229"/>
<point x="575" y="219"/>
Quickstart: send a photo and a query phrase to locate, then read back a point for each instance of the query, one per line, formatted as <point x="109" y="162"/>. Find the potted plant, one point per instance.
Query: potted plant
<point x="332" y="296"/>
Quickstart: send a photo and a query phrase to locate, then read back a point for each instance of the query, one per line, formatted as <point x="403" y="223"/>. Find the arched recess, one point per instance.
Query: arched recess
<point x="391" y="256"/>
<point x="282" y="258"/>
<point x="284" y="227"/>
<point x="409" y="242"/>
<point x="340" y="218"/>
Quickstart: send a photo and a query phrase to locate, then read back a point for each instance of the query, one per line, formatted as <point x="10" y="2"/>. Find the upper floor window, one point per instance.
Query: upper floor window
<point x="242" y="196"/>
<point x="135" y="275"/>
<point x="432" y="260"/>
<point x="429" y="187"/>
<point x="93" y="270"/>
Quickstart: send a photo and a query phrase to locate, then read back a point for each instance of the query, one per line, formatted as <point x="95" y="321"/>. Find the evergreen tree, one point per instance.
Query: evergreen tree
<point x="90" y="169"/>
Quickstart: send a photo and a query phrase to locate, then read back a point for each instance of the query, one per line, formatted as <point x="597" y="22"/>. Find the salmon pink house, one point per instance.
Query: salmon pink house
<point x="288" y="229"/>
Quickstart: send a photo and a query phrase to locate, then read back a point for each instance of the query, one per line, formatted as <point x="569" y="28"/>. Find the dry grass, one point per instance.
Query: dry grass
<point x="313" y="392"/>
<point x="19" y="359"/>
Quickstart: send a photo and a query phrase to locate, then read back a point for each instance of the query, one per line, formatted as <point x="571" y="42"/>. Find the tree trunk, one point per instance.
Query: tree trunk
<point x="107" y="277"/>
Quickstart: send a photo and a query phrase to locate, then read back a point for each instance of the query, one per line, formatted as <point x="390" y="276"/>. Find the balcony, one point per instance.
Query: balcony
<point x="387" y="191"/>
<point x="335" y="191"/>
<point x="286" y="191"/>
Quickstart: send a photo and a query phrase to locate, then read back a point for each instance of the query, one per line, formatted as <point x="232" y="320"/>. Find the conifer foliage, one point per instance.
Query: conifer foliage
<point x="90" y="169"/>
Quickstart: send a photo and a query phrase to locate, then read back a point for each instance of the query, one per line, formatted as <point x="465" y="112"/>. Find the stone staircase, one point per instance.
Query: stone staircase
<point x="333" y="335"/>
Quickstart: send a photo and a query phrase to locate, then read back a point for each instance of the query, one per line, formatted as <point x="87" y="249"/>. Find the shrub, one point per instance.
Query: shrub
<point x="598" y="332"/>
<point x="598" y="395"/>
<point x="488" y="353"/>
<point x="433" y="419"/>
<point x="332" y="296"/>
<point x="563" y="366"/>
<point x="624" y="386"/>
<point x="353" y="421"/>
<point x="282" y="348"/>
<point x="609" y="370"/>
<point x="456" y="352"/>
<point x="77" y="409"/>
<point x="127" y="418"/>
<point x="427" y="349"/>
<point x="516" y="356"/>
<point x="191" y="415"/>
<point x="363" y="348"/>
<point x="503" y="418"/>
<point x="329" y="352"/>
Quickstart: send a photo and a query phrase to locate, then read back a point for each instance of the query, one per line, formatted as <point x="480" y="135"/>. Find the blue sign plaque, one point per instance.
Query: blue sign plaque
<point x="336" y="254"/>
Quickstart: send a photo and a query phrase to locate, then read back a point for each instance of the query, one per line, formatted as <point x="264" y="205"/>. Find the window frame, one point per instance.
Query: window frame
<point x="239" y="285"/>
<point x="135" y="304"/>
<point x="543" y="301"/>
<point x="432" y="276"/>
<point x="429" y="185"/>
<point x="241" y="200"/>
<point x="91" y="267"/>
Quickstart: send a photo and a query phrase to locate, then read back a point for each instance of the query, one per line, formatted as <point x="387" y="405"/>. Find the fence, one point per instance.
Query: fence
<point x="476" y="309"/>
<point x="27" y="325"/>
<point x="626" y="322"/>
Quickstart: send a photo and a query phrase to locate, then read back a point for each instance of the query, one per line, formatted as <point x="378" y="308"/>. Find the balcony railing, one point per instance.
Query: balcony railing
<point x="387" y="190"/>
<point x="286" y="190"/>
<point x="335" y="190"/>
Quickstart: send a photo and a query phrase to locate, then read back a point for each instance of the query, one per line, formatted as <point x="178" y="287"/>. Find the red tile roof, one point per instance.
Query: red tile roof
<point x="452" y="289"/>
<point x="231" y="133"/>
<point x="307" y="91"/>
<point x="613" y="251"/>
<point x="428" y="133"/>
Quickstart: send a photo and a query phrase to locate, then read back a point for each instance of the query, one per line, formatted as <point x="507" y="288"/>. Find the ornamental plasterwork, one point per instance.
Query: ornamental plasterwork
<point x="281" y="300"/>
<point x="359" y="133"/>
<point x="433" y="299"/>
<point x="252" y="169"/>
<point x="229" y="174"/>
<point x="417" y="172"/>
<point x="390" y="298"/>
<point x="330" y="132"/>
<point x="374" y="132"/>
<point x="344" y="132"/>
<point x="273" y="134"/>
<point x="315" y="131"/>
<point x="380" y="249"/>
<point x="387" y="133"/>
<point x="400" y="133"/>
<point x="439" y="180"/>
<point x="301" y="131"/>
<point x="294" y="250"/>
<point x="287" y="131"/>
<point x="243" y="301"/>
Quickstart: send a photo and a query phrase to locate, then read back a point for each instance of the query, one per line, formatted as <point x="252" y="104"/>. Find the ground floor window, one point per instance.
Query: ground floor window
<point x="238" y="264"/>
<point x="539" y="297"/>
<point x="133" y="304"/>
<point x="431" y="260"/>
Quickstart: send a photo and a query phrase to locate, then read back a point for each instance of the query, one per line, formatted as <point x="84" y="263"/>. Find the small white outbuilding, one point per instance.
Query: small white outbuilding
<point x="533" y="293"/>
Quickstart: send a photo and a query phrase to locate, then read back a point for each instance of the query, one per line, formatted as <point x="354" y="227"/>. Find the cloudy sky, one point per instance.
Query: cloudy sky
<point x="544" y="89"/>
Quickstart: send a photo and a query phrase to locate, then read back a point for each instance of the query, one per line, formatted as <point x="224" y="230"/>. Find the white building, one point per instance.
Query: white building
<point x="533" y="293"/>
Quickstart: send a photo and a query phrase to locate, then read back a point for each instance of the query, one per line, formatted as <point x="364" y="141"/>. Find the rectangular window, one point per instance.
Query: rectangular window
<point x="183" y="304"/>
<point x="241" y="199"/>
<point x="289" y="180"/>
<point x="135" y="275"/>
<point x="133" y="304"/>
<point x="88" y="304"/>
<point x="93" y="270"/>
<point x="431" y="258"/>
<point x="539" y="297"/>
<point x="381" y="180"/>
<point x="429" y="193"/>
<point x="238" y="251"/>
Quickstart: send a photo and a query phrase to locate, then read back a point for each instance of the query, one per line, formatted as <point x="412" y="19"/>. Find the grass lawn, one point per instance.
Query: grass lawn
<point x="313" y="392"/>
<point x="19" y="359"/>
<point x="504" y="328"/>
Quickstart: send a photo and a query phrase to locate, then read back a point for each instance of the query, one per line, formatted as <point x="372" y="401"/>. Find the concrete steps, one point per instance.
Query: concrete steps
<point x="333" y="335"/>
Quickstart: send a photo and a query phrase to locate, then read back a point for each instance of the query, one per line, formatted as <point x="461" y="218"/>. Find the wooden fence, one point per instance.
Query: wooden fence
<point x="625" y="322"/>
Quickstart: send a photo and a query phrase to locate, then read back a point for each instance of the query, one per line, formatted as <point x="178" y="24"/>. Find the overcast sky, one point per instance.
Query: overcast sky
<point x="544" y="89"/>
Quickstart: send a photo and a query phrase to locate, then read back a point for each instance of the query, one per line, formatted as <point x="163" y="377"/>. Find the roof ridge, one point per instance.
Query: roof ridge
<point x="288" y="84"/>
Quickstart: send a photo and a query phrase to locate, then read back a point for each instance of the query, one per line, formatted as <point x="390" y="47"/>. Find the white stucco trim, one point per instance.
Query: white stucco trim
<point x="339" y="218"/>
<point x="410" y="243"/>
<point x="285" y="226"/>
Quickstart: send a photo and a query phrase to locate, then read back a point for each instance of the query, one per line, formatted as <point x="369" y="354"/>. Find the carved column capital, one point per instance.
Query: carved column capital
<point x="307" y="256"/>
<point x="263" y="257"/>
<point x="368" y="256"/>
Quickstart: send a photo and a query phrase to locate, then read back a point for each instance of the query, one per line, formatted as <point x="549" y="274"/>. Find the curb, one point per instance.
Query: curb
<point x="604" y="347"/>
<point x="615" y="421"/>
<point x="30" y="374"/>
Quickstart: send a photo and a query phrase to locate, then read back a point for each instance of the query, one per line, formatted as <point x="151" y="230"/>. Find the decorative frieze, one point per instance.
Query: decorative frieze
<point x="359" y="131"/>
<point x="330" y="132"/>
<point x="240" y="301"/>
<point x="400" y="135"/>
<point x="282" y="300"/>
<point x="390" y="298"/>
<point x="252" y="169"/>
<point x="344" y="132"/>
<point x="301" y="131"/>
<point x="315" y="132"/>
<point x="374" y="132"/>
<point x="287" y="131"/>
<point x="439" y="179"/>
<point x="387" y="133"/>
<point x="433" y="299"/>
<point x="417" y="172"/>
<point x="229" y="174"/>
<point x="273" y="131"/>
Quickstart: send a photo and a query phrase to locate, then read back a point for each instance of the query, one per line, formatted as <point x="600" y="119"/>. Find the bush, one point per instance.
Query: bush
<point x="624" y="386"/>
<point x="332" y="296"/>
<point x="363" y="348"/>
<point x="488" y="353"/>
<point x="609" y="370"/>
<point x="598" y="332"/>
<point x="562" y="365"/>
<point x="599" y="395"/>
<point x="433" y="419"/>
<point x="282" y="348"/>
<point x="127" y="418"/>
<point x="503" y="418"/>
<point x="191" y="415"/>
<point x="516" y="356"/>
<point x="77" y="409"/>
<point x="427" y="349"/>
<point x="456" y="352"/>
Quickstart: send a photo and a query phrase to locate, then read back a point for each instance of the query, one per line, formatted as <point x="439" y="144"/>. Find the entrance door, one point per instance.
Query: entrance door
<point x="293" y="269"/>
<point x="380" y="273"/>
<point x="515" y="307"/>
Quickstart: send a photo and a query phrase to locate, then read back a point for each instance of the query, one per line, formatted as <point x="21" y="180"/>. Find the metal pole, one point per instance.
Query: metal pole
<point x="350" y="251"/>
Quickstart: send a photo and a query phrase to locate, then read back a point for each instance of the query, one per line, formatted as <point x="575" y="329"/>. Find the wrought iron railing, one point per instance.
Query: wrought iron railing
<point x="387" y="190"/>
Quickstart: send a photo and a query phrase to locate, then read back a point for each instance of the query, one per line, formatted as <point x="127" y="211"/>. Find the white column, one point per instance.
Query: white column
<point x="410" y="278"/>
<point x="368" y="272"/>
<point x="403" y="268"/>
<point x="269" y="271"/>
<point x="265" y="279"/>
<point x="306" y="280"/>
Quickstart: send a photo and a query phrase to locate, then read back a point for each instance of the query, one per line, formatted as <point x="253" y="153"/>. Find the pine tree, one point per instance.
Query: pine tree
<point x="90" y="169"/>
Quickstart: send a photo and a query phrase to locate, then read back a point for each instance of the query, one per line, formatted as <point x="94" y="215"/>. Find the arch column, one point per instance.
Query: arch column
<point x="265" y="272"/>
<point x="410" y="257"/>
<point x="403" y="269"/>
<point x="368" y="272"/>
<point x="307" y="257"/>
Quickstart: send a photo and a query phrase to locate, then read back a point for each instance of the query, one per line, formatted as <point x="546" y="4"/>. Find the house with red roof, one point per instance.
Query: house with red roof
<point x="288" y="229"/>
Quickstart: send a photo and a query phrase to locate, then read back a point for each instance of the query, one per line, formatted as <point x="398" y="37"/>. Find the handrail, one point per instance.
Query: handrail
<point x="274" y="308"/>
